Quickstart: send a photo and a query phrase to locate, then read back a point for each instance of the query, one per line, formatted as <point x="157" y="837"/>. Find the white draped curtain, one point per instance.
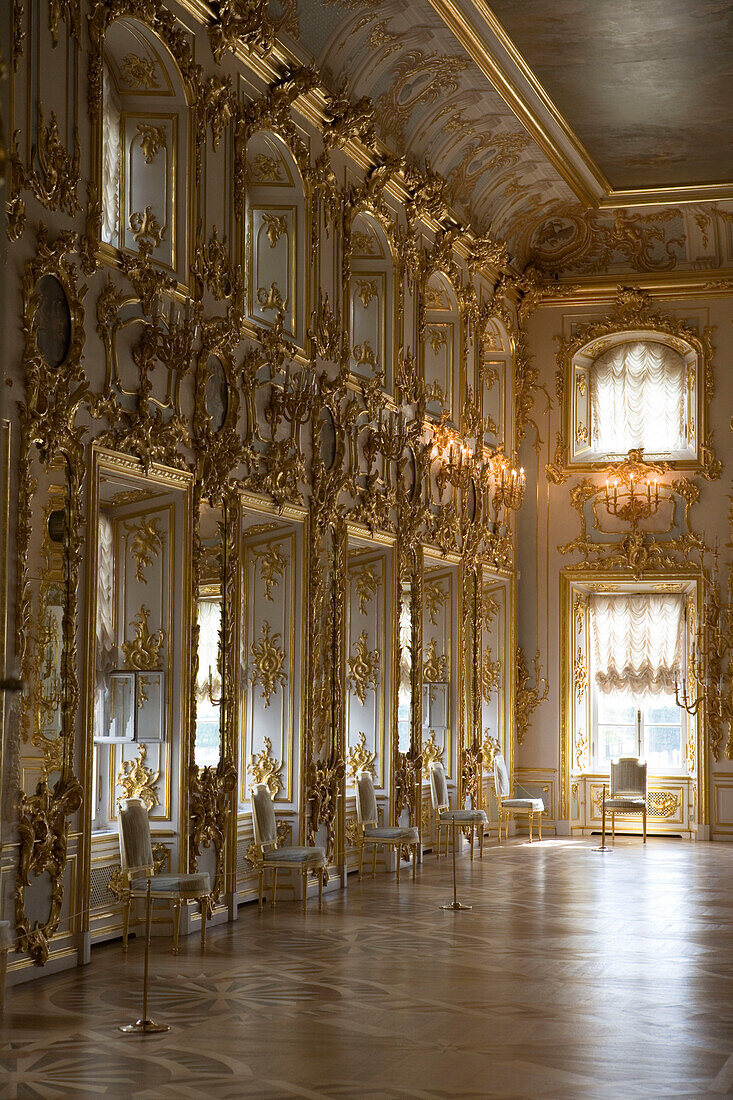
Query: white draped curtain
<point x="209" y="619"/>
<point x="111" y="161"/>
<point x="638" y="642"/>
<point x="105" y="632"/>
<point x="638" y="399"/>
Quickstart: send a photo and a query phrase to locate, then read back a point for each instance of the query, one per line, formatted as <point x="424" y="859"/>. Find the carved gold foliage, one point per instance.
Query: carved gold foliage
<point x="353" y="832"/>
<point x="363" y="668"/>
<point x="55" y="185"/>
<point x="359" y="758"/>
<point x="214" y="267"/>
<point x="264" y="768"/>
<point x="528" y="697"/>
<point x="326" y="331"/>
<point x="152" y="139"/>
<point x="363" y="244"/>
<point x="431" y="752"/>
<point x="365" y="356"/>
<point x="366" y="290"/>
<point x="367" y="585"/>
<point x="139" y="72"/>
<point x="437" y="339"/>
<point x="146" y="227"/>
<point x="43" y="831"/>
<point x="264" y="169"/>
<point x="272" y="565"/>
<point x="435" y="597"/>
<point x="580" y="606"/>
<point x="138" y="781"/>
<point x="490" y="608"/>
<point x="580" y="675"/>
<point x="270" y="299"/>
<point x="210" y="804"/>
<point x="489" y="748"/>
<point x="275" y="226"/>
<point x="143" y="651"/>
<point x="146" y="543"/>
<point x="490" y="676"/>
<point x="325" y="779"/>
<point x="434" y="665"/>
<point x="248" y="23"/>
<point x="269" y="659"/>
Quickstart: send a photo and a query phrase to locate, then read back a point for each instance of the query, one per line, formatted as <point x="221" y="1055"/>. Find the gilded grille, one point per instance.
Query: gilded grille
<point x="100" y="897"/>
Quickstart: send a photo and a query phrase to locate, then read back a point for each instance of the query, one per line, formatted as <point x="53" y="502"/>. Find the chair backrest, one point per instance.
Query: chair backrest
<point x="628" y="776"/>
<point x="438" y="787"/>
<point x="501" y="776"/>
<point x="264" y="821"/>
<point x="366" y="799"/>
<point x="136" y="848"/>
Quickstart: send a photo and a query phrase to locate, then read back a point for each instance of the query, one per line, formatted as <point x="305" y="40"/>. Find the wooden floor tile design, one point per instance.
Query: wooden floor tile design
<point x="575" y="976"/>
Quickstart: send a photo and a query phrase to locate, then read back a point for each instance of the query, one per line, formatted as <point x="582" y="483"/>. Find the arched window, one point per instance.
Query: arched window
<point x="441" y="345"/>
<point x="636" y="390"/>
<point x="276" y="228"/>
<point x="371" y="301"/>
<point x="145" y="147"/>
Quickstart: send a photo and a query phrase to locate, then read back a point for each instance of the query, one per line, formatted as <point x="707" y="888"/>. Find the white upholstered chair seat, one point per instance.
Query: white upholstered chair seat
<point x="313" y="857"/>
<point x="407" y="834"/>
<point x="463" y="817"/>
<point x="625" y="804"/>
<point x="299" y="859"/>
<point x="507" y="804"/>
<point x="191" y="886"/>
<point x="371" y="832"/>
<point x="535" y="804"/>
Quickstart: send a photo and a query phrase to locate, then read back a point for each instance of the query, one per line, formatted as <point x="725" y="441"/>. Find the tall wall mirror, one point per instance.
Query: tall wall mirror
<point x="139" y="588"/>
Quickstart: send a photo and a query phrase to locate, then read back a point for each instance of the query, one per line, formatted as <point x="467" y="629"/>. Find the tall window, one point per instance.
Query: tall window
<point x="638" y="651"/>
<point x="638" y="399"/>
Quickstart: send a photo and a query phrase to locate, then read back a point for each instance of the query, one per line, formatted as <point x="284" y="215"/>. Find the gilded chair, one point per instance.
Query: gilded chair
<point x="371" y="833"/>
<point x="507" y="805"/>
<point x="628" y="792"/>
<point x="453" y="819"/>
<point x="303" y="859"/>
<point x="137" y="865"/>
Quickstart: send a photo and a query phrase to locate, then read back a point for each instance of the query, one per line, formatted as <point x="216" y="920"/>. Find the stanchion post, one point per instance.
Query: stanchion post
<point x="145" y="1026"/>
<point x="603" y="847"/>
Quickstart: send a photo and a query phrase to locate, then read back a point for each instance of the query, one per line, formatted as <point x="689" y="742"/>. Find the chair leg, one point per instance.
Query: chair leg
<point x="274" y="886"/>
<point x="320" y="888"/>
<point x="176" y="925"/>
<point x="374" y="861"/>
<point x="399" y="861"/>
<point x="262" y="884"/>
<point x="126" y="922"/>
<point x="613" y="828"/>
<point x="531" y="818"/>
<point x="305" y="888"/>
<point x="481" y="841"/>
<point x="414" y="861"/>
<point x="361" y="858"/>
<point x="644" y="817"/>
<point x="539" y="824"/>
<point x="499" y="814"/>
<point x="204" y="910"/>
<point x="473" y="840"/>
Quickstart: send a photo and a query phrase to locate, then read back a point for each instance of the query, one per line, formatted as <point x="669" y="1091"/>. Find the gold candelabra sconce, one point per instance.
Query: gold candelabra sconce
<point x="212" y="684"/>
<point x="633" y="500"/>
<point x="294" y="402"/>
<point x="685" y="701"/>
<point x="456" y="464"/>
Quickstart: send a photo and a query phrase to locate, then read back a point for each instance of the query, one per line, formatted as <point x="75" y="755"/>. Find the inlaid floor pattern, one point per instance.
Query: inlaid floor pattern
<point x="575" y="975"/>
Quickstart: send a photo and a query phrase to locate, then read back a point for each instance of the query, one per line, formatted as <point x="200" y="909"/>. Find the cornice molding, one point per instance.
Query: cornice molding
<point x="601" y="290"/>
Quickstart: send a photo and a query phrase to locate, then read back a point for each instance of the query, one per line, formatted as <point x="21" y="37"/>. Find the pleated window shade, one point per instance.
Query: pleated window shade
<point x="637" y="642"/>
<point x="638" y="399"/>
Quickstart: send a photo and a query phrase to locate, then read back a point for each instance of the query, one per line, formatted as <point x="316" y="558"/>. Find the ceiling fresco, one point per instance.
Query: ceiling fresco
<point x="645" y="86"/>
<point x="435" y="104"/>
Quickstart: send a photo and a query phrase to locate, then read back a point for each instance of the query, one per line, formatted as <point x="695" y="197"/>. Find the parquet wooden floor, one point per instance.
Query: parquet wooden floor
<point x="575" y="975"/>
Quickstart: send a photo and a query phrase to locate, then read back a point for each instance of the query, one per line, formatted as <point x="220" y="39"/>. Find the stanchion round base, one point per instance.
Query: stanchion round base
<point x="143" y="1027"/>
<point x="456" y="905"/>
<point x="604" y="848"/>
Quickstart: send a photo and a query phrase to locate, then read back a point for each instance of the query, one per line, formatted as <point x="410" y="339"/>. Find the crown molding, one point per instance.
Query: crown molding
<point x="601" y="289"/>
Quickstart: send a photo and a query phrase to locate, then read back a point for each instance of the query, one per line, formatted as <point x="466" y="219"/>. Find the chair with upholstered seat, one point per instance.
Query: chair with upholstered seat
<point x="138" y="867"/>
<point x="628" y="791"/>
<point x="371" y="833"/>
<point x="302" y="859"/>
<point x="453" y="819"/>
<point x="508" y="805"/>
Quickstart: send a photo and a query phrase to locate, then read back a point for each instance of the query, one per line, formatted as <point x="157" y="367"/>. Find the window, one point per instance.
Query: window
<point x="637" y="651"/>
<point x="639" y="392"/>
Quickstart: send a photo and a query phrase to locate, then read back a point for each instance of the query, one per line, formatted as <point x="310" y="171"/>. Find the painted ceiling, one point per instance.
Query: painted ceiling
<point x="434" y="103"/>
<point x="645" y="86"/>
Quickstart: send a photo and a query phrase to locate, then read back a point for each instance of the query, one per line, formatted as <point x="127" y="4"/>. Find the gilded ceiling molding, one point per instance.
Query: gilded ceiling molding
<point x="248" y="25"/>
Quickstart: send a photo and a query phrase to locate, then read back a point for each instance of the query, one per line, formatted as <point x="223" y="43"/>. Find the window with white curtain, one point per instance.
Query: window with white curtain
<point x="638" y="393"/>
<point x="637" y="654"/>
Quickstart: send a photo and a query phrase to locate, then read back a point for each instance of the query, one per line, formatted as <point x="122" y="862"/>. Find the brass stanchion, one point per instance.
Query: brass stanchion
<point x="145" y="1026"/>
<point x="604" y="847"/>
<point x="455" y="904"/>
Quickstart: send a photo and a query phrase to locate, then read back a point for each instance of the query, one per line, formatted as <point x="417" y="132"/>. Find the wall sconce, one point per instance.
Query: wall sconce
<point x="456" y="462"/>
<point x="632" y="503"/>
<point x="506" y="483"/>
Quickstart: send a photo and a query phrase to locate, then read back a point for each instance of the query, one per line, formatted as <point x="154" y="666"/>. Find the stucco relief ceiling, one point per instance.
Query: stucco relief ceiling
<point x="435" y="101"/>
